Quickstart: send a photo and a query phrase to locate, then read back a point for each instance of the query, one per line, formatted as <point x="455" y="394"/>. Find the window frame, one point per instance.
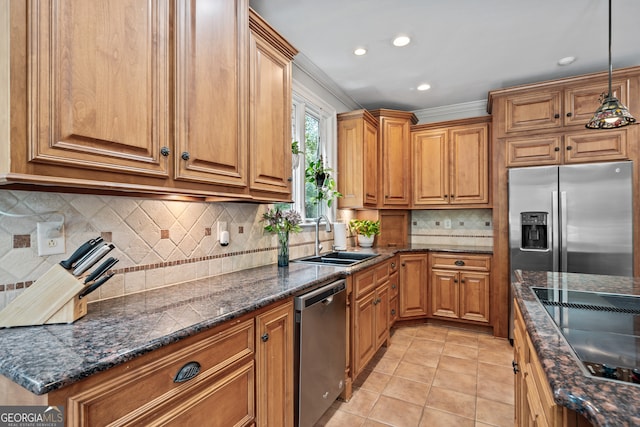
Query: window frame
<point x="305" y="100"/>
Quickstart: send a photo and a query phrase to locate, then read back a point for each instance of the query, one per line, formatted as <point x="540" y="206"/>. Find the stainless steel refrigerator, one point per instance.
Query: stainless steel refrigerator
<point x="574" y="218"/>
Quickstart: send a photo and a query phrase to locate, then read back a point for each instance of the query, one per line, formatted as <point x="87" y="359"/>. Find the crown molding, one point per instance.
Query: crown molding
<point x="302" y="63"/>
<point x="454" y="111"/>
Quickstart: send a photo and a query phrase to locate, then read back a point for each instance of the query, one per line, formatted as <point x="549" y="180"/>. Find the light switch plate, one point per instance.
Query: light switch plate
<point x="50" y="238"/>
<point x="447" y="223"/>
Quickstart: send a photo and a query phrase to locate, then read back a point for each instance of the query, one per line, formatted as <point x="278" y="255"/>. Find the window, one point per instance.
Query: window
<point x="313" y="126"/>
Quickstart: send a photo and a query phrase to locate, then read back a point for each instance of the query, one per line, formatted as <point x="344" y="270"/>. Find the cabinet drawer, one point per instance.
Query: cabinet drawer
<point x="394" y="285"/>
<point x="364" y="282"/>
<point x="393" y="310"/>
<point x="382" y="272"/>
<point x="458" y="262"/>
<point x="149" y="380"/>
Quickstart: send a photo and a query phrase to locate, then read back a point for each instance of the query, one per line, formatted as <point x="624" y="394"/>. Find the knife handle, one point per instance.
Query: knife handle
<point x="80" y="252"/>
<point x="94" y="256"/>
<point x="104" y="267"/>
<point x="95" y="286"/>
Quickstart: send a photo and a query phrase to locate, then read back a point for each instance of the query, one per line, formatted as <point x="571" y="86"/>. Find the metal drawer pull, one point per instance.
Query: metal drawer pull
<point x="265" y="337"/>
<point x="459" y="263"/>
<point x="187" y="372"/>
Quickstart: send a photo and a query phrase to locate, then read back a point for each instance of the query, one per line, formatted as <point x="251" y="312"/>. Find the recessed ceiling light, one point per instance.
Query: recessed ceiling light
<point x="424" y="86"/>
<point x="360" y="51"/>
<point x="401" y="41"/>
<point x="566" y="60"/>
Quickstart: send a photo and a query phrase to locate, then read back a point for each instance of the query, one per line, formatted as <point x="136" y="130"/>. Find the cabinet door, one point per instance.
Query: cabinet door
<point x="413" y="285"/>
<point x="533" y="111"/>
<point x="274" y="367"/>
<point x="586" y="146"/>
<point x="533" y="150"/>
<point x="270" y="117"/>
<point x="469" y="167"/>
<point x="474" y="296"/>
<point x="394" y="228"/>
<point x="98" y="95"/>
<point x="211" y="91"/>
<point x="583" y="100"/>
<point x="444" y="294"/>
<point x="382" y="313"/>
<point x="430" y="167"/>
<point x="350" y="163"/>
<point x="364" y="332"/>
<point x="396" y="164"/>
<point x="370" y="164"/>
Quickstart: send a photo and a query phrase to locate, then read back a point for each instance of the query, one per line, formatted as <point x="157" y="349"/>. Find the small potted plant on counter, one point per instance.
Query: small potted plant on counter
<point x="366" y="230"/>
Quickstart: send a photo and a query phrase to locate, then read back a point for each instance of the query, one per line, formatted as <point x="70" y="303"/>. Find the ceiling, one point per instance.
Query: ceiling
<point x="462" y="48"/>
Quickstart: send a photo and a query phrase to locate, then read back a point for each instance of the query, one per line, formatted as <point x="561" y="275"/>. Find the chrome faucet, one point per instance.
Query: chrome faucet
<point x="328" y="230"/>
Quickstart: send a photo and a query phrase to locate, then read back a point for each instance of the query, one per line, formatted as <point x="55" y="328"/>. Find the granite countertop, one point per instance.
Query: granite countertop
<point x="603" y="402"/>
<point x="45" y="358"/>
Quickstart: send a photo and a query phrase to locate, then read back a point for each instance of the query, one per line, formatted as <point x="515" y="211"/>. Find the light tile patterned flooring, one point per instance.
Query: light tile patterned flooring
<point x="432" y="376"/>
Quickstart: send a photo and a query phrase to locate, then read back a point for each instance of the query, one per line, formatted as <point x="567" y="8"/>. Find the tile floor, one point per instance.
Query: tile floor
<point x="432" y="376"/>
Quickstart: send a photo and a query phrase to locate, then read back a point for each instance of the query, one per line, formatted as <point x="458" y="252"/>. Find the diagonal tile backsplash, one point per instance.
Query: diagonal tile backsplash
<point x="158" y="242"/>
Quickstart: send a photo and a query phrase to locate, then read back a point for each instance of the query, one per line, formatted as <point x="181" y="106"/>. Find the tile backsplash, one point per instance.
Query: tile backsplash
<point x="161" y="242"/>
<point x="471" y="227"/>
<point x="158" y="242"/>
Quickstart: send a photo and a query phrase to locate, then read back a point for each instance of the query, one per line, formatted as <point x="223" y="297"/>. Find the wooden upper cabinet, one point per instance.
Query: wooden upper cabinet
<point x="270" y="109"/>
<point x="558" y="105"/>
<point x="450" y="163"/>
<point x="98" y="86"/>
<point x="395" y="157"/>
<point x="357" y="159"/>
<point x="211" y="91"/>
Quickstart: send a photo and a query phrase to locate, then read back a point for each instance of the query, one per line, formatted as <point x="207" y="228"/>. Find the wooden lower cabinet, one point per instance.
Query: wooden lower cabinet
<point x="459" y="286"/>
<point x="245" y="378"/>
<point x="274" y="373"/>
<point x="534" y="402"/>
<point x="414" y="278"/>
<point x="371" y="313"/>
<point x="394" y="305"/>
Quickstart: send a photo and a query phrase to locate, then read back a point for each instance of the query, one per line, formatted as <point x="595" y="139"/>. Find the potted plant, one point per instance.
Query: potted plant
<point x="319" y="176"/>
<point x="295" y="154"/>
<point x="366" y="230"/>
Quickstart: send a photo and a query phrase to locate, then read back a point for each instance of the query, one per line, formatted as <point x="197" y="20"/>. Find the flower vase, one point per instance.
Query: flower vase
<point x="283" y="248"/>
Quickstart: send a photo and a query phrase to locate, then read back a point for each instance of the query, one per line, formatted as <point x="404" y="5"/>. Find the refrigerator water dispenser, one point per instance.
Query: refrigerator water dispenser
<point x="534" y="231"/>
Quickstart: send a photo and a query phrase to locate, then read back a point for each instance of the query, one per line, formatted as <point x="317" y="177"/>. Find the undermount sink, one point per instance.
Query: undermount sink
<point x="337" y="258"/>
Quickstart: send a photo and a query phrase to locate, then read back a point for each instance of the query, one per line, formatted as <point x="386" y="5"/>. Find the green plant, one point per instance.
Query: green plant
<point x="276" y="220"/>
<point x="295" y="147"/>
<point x="365" y="227"/>
<point x="320" y="177"/>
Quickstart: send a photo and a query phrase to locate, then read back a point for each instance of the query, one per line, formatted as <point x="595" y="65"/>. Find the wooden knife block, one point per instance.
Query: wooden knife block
<point x="53" y="298"/>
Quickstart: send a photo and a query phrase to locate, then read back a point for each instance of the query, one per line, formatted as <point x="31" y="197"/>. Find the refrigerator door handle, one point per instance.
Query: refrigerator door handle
<point x="555" y="231"/>
<point x="563" y="228"/>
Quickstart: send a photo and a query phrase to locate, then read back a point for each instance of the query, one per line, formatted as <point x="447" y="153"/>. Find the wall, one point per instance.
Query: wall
<point x="157" y="242"/>
<point x="471" y="227"/>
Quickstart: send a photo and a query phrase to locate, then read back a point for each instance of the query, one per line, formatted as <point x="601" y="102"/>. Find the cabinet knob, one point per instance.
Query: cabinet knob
<point x="446" y="196"/>
<point x="265" y="337"/>
<point x="402" y="264"/>
<point x="393" y="311"/>
<point x="569" y="114"/>
<point x="556" y="149"/>
<point x="569" y="147"/>
<point x="516" y="369"/>
<point x="459" y="263"/>
<point x="386" y="196"/>
<point x="556" y="116"/>
<point x="455" y="280"/>
<point x="393" y="286"/>
<point x="185" y="155"/>
<point x="453" y="196"/>
<point x="290" y="179"/>
<point x="461" y="280"/>
<point x="393" y="265"/>
<point x="165" y="151"/>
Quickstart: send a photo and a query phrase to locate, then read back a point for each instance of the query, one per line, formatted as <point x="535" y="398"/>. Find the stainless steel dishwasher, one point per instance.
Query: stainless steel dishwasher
<point x="320" y="350"/>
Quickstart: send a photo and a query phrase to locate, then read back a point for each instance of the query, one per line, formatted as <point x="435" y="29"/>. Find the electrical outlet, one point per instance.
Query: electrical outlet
<point x="447" y="223"/>
<point x="50" y="238"/>
<point x="221" y="226"/>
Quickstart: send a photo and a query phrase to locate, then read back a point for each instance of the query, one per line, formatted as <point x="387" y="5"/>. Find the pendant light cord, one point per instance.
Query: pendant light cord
<point x="610" y="61"/>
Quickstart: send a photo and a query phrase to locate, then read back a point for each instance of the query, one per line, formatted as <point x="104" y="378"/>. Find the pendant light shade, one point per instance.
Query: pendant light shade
<point x="612" y="113"/>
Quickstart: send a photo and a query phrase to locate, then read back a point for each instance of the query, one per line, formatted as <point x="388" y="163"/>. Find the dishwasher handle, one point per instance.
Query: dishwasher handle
<point x="323" y="294"/>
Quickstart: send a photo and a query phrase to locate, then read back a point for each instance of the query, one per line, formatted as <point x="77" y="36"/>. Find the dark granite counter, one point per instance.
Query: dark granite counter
<point x="45" y="358"/>
<point x="603" y="402"/>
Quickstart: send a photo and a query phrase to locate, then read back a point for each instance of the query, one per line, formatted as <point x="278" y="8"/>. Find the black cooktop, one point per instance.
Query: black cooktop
<point x="603" y="330"/>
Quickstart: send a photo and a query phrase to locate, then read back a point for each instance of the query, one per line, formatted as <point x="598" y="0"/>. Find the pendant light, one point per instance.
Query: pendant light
<point x="612" y="113"/>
